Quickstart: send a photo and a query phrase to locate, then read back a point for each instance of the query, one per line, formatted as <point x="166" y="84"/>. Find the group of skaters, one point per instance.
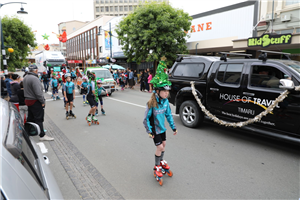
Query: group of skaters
<point x="29" y="92"/>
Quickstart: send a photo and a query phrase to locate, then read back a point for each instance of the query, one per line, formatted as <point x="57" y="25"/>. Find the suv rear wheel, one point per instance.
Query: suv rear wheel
<point x="190" y="114"/>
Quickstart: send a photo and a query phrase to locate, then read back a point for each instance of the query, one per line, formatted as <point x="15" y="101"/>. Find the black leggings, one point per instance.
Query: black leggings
<point x="36" y="115"/>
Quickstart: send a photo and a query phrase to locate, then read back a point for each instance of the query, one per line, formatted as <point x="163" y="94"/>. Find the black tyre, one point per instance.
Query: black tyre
<point x="190" y="114"/>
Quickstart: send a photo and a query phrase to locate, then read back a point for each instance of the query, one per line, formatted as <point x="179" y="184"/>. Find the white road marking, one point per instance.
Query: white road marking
<point x="61" y="98"/>
<point x="42" y="147"/>
<point x="133" y="104"/>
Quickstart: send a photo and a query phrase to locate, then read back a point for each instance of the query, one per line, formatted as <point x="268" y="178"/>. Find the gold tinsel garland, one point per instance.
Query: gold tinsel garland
<point x="257" y="118"/>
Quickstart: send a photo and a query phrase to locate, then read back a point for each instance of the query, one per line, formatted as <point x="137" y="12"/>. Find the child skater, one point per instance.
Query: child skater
<point x="69" y="94"/>
<point x="83" y="87"/>
<point x="92" y="99"/>
<point x="100" y="89"/>
<point x="55" y="86"/>
<point x="122" y="81"/>
<point x="154" y="121"/>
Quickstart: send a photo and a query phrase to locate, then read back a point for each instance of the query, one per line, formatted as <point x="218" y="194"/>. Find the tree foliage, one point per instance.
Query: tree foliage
<point x="18" y="36"/>
<point x="154" y="30"/>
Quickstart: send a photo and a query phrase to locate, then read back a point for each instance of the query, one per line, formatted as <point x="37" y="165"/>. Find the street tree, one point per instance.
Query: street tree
<point x="17" y="35"/>
<point x="154" y="30"/>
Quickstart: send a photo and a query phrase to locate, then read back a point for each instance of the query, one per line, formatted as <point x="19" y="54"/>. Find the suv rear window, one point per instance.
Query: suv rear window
<point x="230" y="73"/>
<point x="189" y="70"/>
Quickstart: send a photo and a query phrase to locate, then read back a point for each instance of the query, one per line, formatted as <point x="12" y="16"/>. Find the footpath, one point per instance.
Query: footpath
<point x="75" y="175"/>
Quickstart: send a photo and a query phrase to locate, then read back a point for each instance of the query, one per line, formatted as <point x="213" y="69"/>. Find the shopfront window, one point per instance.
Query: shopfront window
<point x="291" y="2"/>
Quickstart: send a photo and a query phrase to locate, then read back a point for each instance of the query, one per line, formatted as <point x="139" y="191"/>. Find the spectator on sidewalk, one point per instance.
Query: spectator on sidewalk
<point x="142" y="81"/>
<point x="7" y="82"/>
<point x="146" y="75"/>
<point x="135" y="77"/>
<point x="34" y="99"/>
<point x="131" y="79"/>
<point x="22" y="106"/>
<point x="150" y="84"/>
<point x="15" y="86"/>
<point x="3" y="88"/>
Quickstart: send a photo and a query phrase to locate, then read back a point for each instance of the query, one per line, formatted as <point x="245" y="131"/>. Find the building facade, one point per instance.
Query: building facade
<point x="242" y="28"/>
<point x="117" y="7"/>
<point x="83" y="45"/>
<point x="69" y="27"/>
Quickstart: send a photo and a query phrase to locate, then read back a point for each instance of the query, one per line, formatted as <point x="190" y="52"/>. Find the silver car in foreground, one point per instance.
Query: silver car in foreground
<point x="24" y="173"/>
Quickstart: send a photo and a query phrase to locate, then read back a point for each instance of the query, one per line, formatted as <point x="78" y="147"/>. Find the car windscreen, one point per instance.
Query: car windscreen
<point x="102" y="73"/>
<point x="292" y="64"/>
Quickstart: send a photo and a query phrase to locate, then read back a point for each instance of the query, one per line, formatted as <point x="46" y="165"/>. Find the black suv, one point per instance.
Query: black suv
<point x="236" y="90"/>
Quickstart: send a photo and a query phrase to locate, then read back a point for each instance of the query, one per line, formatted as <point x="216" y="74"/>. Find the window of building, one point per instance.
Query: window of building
<point x="106" y="1"/>
<point x="120" y="8"/>
<point x="120" y="1"/>
<point x="130" y="1"/>
<point x="111" y="1"/>
<point x="125" y="8"/>
<point x="102" y="1"/>
<point x="230" y="73"/>
<point x="189" y="70"/>
<point x="291" y="2"/>
<point x="111" y="8"/>
<point x="135" y="1"/>
<point x="125" y="1"/>
<point x="97" y="16"/>
<point x="106" y="9"/>
<point x="97" y="1"/>
<point x="130" y="8"/>
<point x="101" y="9"/>
<point x="116" y="8"/>
<point x="116" y="1"/>
<point x="97" y="9"/>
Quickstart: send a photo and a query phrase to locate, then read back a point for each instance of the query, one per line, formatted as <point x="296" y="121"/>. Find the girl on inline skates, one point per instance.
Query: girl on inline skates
<point x="154" y="121"/>
<point x="83" y="87"/>
<point x="69" y="95"/>
<point x="100" y="88"/>
<point x="91" y="97"/>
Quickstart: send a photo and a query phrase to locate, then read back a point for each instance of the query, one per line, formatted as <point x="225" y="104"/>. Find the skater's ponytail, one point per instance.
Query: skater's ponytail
<point x="152" y="102"/>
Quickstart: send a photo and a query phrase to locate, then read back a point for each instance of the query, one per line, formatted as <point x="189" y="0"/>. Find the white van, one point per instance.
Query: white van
<point x="24" y="173"/>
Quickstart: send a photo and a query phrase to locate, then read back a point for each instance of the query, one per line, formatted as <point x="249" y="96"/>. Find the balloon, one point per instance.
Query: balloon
<point x="46" y="47"/>
<point x="10" y="50"/>
<point x="64" y="40"/>
<point x="60" y="38"/>
<point x="45" y="36"/>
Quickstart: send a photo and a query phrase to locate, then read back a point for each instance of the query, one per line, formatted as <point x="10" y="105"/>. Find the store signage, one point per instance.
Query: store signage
<point x="74" y="61"/>
<point x="268" y="39"/>
<point x="201" y="27"/>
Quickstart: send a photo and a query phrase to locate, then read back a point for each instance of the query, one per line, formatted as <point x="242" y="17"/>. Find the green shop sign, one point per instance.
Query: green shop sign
<point x="267" y="40"/>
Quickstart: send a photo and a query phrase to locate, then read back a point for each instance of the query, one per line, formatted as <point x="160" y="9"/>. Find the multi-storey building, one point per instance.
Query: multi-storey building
<point x="116" y="7"/>
<point x="69" y="27"/>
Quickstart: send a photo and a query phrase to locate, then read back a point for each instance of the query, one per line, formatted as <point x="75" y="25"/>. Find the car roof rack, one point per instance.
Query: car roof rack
<point x="264" y="54"/>
<point x="180" y="56"/>
<point x="224" y="55"/>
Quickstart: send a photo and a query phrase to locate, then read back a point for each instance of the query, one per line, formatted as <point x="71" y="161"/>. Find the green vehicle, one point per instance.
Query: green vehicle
<point x="108" y="82"/>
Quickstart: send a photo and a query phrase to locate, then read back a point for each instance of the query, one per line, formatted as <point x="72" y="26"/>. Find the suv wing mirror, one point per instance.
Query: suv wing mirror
<point x="32" y="129"/>
<point x="286" y="84"/>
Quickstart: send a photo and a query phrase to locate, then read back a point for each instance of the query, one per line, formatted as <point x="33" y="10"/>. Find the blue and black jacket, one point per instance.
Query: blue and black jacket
<point x="100" y="89"/>
<point x="157" y="126"/>
<point x="54" y="83"/>
<point x="69" y="87"/>
<point x="84" y="85"/>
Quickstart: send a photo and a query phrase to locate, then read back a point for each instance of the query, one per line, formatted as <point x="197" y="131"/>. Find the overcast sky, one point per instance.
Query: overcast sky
<point x="45" y="15"/>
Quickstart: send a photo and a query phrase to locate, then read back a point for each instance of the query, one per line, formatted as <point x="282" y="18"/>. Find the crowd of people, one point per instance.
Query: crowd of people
<point x="26" y="93"/>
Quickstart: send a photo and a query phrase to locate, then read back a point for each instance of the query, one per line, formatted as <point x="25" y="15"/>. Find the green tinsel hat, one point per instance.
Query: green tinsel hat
<point x="161" y="79"/>
<point x="49" y="65"/>
<point x="53" y="74"/>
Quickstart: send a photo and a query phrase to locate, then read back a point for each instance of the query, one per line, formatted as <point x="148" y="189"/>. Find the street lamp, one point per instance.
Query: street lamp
<point x="21" y="11"/>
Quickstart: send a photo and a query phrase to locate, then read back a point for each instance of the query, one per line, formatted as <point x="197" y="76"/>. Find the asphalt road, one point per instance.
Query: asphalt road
<point x="210" y="162"/>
